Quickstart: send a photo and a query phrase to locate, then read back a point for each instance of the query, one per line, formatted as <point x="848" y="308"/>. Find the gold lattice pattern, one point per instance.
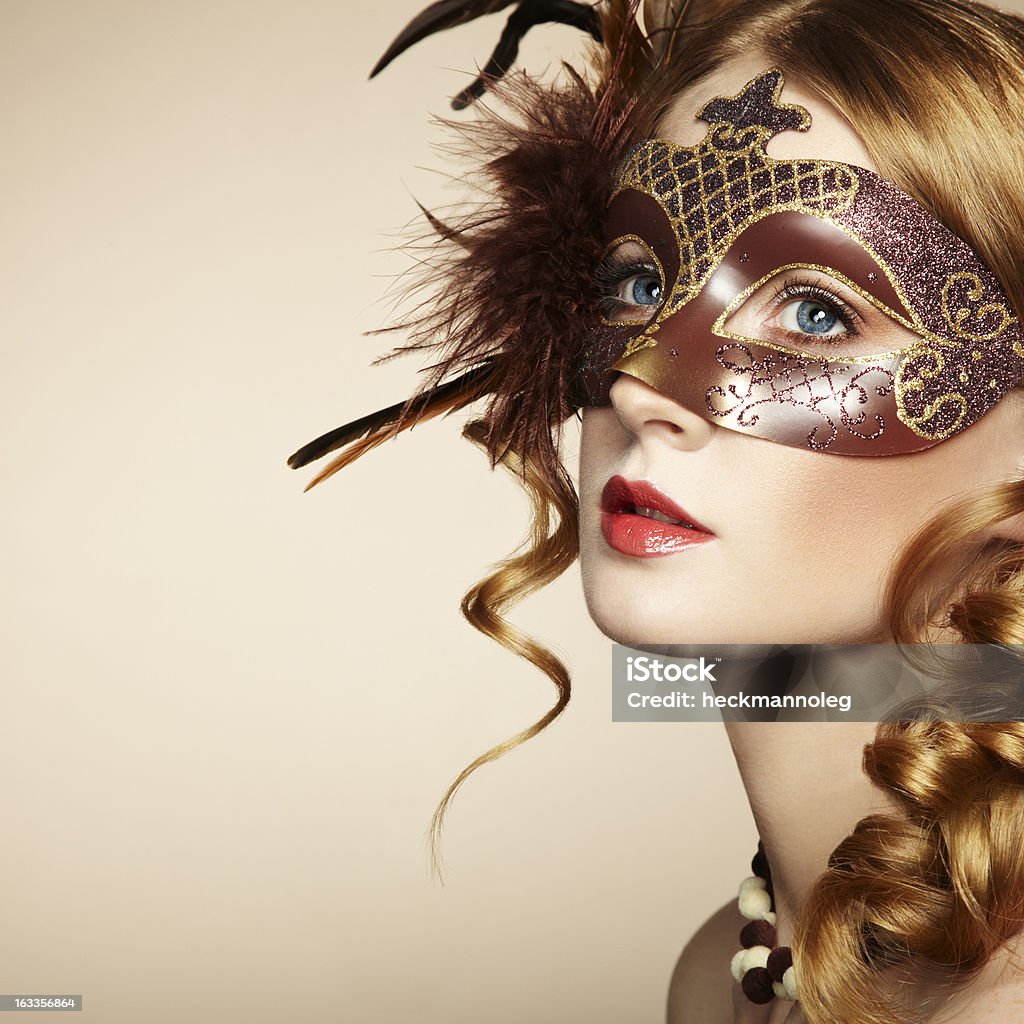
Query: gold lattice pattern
<point x="712" y="191"/>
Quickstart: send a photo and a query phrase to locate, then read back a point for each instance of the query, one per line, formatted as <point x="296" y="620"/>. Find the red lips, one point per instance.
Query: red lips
<point x="632" y="532"/>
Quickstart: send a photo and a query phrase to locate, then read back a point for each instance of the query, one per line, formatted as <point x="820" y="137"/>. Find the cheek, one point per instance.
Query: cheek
<point x="604" y="444"/>
<point x="830" y="530"/>
<point x="812" y="541"/>
<point x="817" y="500"/>
<point x="603" y="441"/>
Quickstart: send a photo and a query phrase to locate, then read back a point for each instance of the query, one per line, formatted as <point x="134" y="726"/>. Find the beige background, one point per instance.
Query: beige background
<point x="230" y="707"/>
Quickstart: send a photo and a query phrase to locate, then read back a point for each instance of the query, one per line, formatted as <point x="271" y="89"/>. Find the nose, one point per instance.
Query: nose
<point x="646" y="412"/>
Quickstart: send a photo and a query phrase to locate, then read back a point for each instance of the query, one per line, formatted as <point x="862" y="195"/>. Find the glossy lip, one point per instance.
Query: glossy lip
<point x="639" y="536"/>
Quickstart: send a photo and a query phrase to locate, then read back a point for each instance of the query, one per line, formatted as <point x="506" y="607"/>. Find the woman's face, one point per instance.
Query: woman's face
<point x="796" y="545"/>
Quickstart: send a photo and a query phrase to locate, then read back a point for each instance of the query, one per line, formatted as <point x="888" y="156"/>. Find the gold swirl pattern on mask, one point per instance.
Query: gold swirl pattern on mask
<point x="942" y="416"/>
<point x="638" y="344"/>
<point x="957" y="309"/>
<point x="812" y="383"/>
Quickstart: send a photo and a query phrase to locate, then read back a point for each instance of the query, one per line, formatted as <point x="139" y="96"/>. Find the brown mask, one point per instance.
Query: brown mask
<point x="714" y="226"/>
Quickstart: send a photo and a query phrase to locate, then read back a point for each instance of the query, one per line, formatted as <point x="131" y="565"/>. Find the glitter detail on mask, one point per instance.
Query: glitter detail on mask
<point x="959" y="303"/>
<point x="711" y="191"/>
<point x="809" y="384"/>
<point x="692" y="205"/>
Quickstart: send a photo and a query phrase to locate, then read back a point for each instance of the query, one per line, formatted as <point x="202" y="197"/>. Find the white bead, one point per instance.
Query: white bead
<point x="779" y="989"/>
<point x="770" y="917"/>
<point x="789" y="982"/>
<point x="757" y="956"/>
<point x="754" y="904"/>
<point x="737" y="965"/>
<point x="753" y="882"/>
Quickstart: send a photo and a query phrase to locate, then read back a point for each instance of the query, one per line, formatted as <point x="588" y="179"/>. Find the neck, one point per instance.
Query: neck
<point x="807" y="792"/>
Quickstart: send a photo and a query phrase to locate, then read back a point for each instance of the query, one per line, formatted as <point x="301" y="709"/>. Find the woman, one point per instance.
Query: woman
<point x="792" y="330"/>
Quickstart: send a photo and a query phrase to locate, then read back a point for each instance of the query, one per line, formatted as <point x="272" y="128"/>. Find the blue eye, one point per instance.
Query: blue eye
<point x="816" y="317"/>
<point x="805" y="309"/>
<point x="628" y="283"/>
<point x="645" y="290"/>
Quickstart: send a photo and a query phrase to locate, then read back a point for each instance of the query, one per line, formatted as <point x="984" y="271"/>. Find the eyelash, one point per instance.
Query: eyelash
<point x="615" y="269"/>
<point x="609" y="276"/>
<point x="800" y="288"/>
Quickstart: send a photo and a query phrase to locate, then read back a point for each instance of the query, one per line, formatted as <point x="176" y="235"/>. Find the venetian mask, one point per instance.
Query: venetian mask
<point x="715" y="225"/>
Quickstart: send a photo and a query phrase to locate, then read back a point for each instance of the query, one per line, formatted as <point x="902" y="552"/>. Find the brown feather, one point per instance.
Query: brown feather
<point x="366" y="433"/>
<point x="443" y="14"/>
<point x="627" y="57"/>
<point x="440" y="228"/>
<point x="507" y="282"/>
<point x="518" y="287"/>
<point x="475" y="383"/>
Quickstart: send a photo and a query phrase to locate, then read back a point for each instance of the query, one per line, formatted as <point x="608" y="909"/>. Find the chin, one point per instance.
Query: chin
<point x="679" y="600"/>
<point x="638" y="620"/>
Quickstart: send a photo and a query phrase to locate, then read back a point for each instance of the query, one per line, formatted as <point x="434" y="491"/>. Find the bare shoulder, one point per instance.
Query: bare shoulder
<point x="701" y="987"/>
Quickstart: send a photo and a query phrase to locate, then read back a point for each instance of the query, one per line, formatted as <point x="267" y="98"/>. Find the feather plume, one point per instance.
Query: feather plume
<point x="443" y="14"/>
<point x="510" y="281"/>
<point x="447" y="14"/>
<point x="365" y="433"/>
<point x="627" y="57"/>
<point x="505" y="301"/>
<point x="400" y="416"/>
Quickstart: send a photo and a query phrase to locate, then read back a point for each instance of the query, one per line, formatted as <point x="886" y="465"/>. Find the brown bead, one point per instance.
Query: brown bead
<point x="759" y="864"/>
<point x="757" y="985"/>
<point x="757" y="933"/>
<point x="779" y="961"/>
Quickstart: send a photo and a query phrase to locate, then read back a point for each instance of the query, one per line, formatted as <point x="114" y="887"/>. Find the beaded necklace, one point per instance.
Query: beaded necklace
<point x="763" y="969"/>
